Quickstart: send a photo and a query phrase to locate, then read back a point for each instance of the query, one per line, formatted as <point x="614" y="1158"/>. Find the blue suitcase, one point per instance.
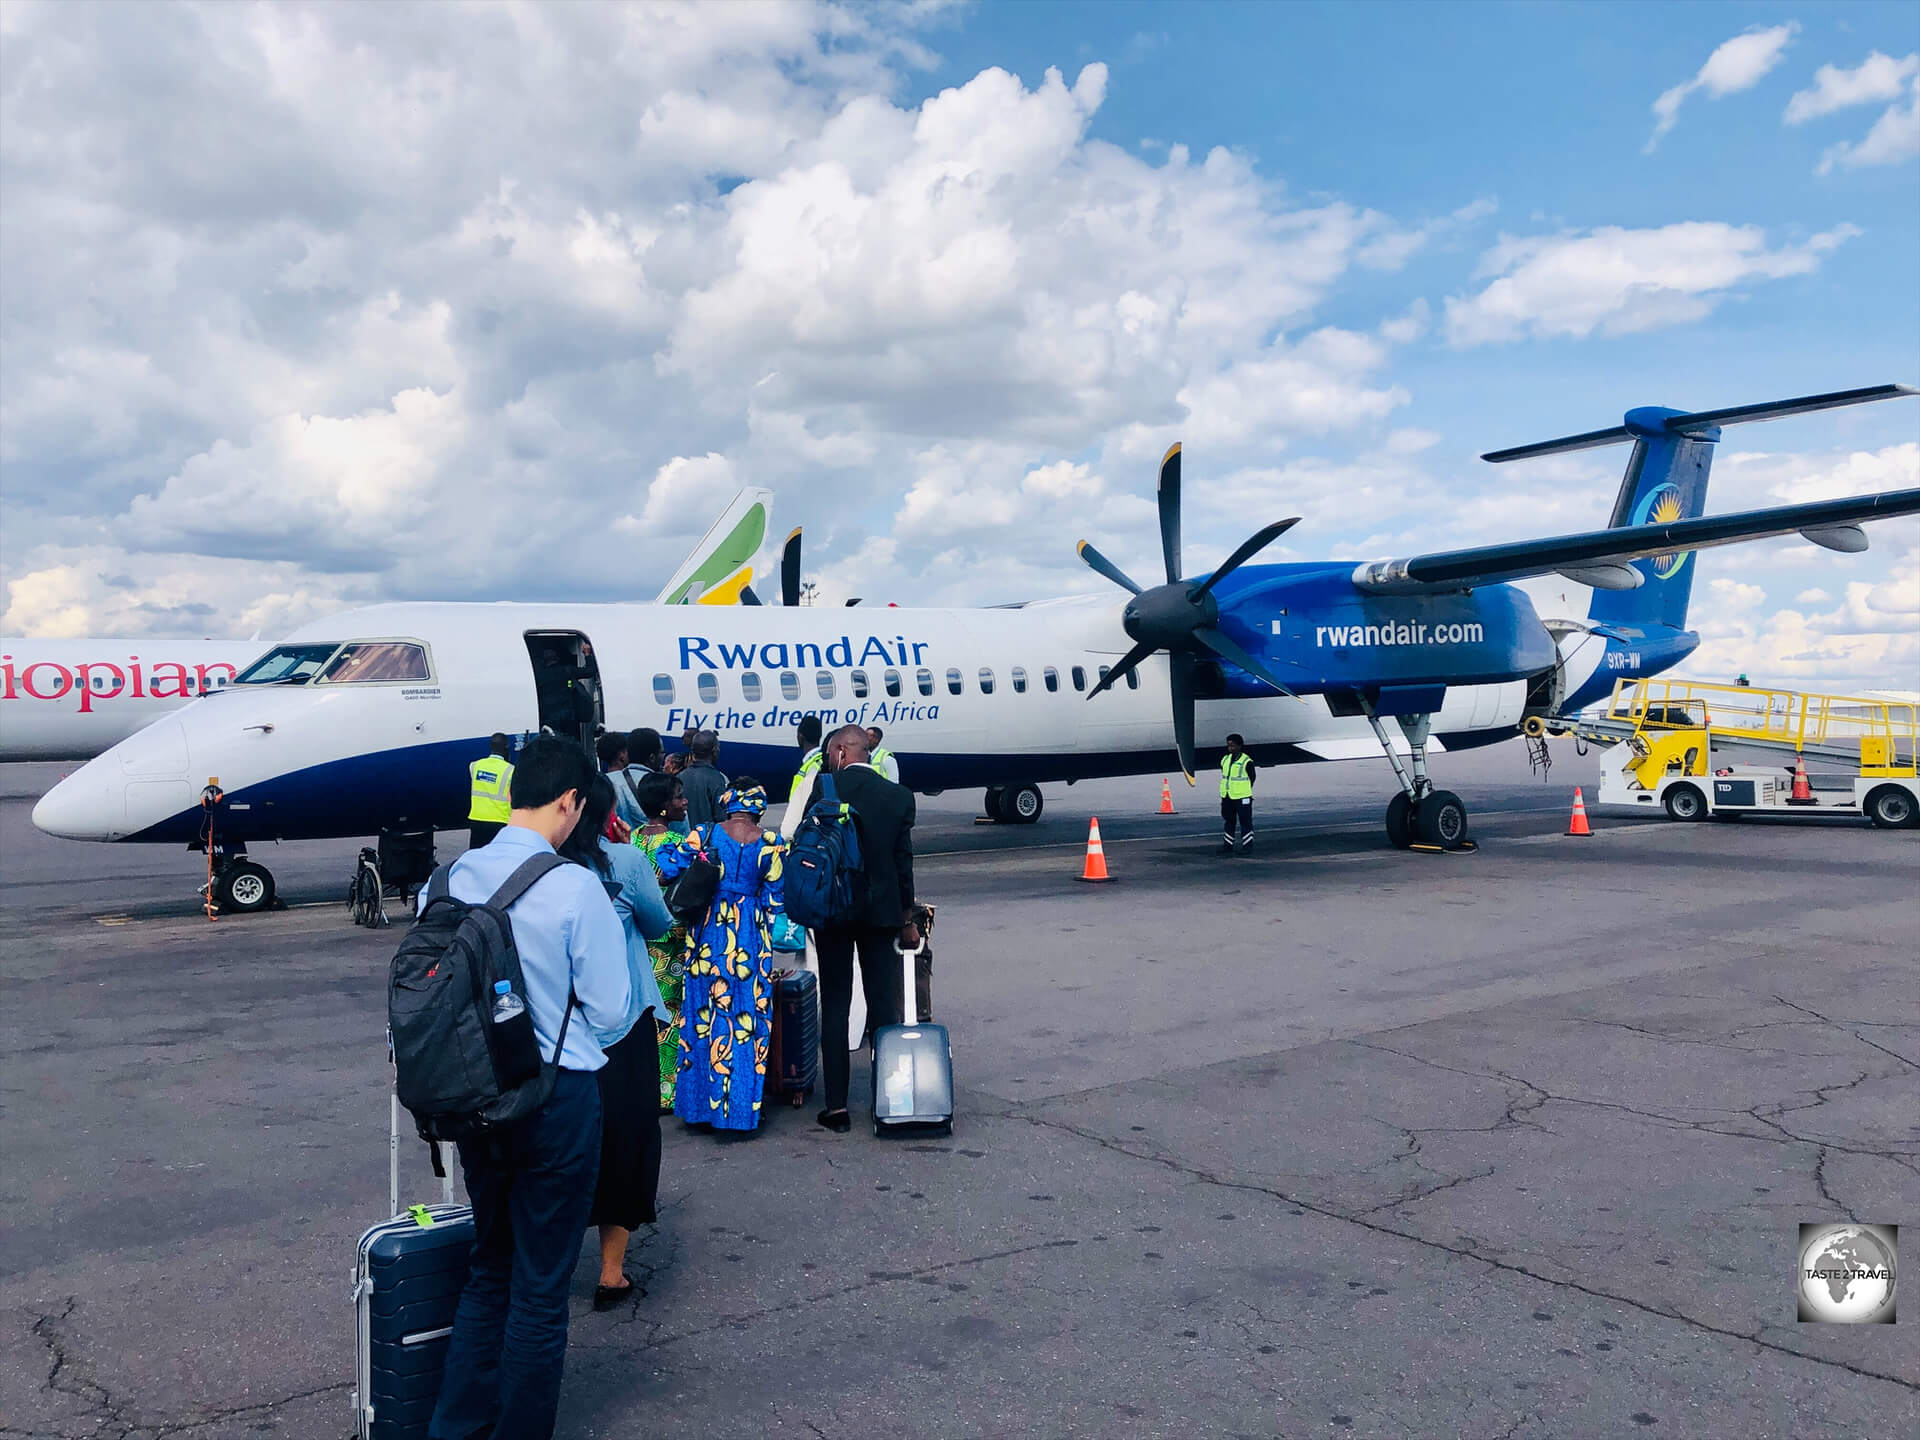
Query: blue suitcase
<point x="912" y="1069"/>
<point x="406" y="1286"/>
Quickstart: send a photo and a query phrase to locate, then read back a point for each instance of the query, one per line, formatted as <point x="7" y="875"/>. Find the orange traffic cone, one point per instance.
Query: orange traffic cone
<point x="1802" y="787"/>
<point x="1578" y="824"/>
<point x="1166" y="798"/>
<point x="1096" y="868"/>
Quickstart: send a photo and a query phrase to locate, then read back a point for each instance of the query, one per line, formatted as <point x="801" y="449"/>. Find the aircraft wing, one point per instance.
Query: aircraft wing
<point x="1599" y="557"/>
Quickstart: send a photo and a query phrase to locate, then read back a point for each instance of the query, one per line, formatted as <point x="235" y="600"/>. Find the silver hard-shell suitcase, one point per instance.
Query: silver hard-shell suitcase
<point x="407" y="1281"/>
<point x="912" y="1068"/>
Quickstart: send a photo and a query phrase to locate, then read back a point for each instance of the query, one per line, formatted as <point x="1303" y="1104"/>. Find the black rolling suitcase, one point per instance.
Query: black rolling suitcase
<point x="912" y="1068"/>
<point x="793" y="1056"/>
<point x="406" y="1285"/>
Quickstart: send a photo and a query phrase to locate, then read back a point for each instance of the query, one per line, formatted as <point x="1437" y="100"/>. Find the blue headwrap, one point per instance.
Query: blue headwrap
<point x="751" y="801"/>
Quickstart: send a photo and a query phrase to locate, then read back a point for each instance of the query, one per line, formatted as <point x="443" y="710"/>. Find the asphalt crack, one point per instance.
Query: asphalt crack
<point x="1754" y="1337"/>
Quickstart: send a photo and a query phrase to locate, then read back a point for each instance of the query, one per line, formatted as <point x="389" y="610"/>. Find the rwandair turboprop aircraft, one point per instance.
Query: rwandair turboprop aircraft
<point x="1316" y="661"/>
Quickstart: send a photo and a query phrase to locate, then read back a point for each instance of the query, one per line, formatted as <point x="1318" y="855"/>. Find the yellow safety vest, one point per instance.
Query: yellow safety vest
<point x="809" y="767"/>
<point x="1235" y="782"/>
<point x="491" y="778"/>
<point x="882" y="760"/>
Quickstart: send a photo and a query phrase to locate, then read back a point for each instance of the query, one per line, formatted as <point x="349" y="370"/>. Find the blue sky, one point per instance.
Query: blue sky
<point x="284" y="286"/>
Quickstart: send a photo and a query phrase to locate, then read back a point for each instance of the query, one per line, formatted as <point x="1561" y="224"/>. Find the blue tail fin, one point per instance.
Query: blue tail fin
<point x="1666" y="479"/>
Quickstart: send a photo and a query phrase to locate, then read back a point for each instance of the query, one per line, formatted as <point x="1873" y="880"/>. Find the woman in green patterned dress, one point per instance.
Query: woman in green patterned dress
<point x="665" y="804"/>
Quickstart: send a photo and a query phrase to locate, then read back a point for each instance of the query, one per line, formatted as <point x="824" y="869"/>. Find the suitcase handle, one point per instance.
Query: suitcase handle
<point x="910" y="1005"/>
<point x="393" y="1159"/>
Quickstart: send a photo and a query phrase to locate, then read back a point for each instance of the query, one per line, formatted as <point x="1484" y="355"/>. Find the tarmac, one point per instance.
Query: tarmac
<point x="1325" y="1139"/>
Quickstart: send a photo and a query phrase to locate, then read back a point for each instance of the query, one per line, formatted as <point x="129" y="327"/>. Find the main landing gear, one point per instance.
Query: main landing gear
<point x="1014" y="804"/>
<point x="1419" y="814"/>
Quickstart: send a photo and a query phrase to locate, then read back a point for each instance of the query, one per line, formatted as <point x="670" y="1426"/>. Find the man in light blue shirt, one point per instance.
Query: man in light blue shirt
<point x="531" y="1185"/>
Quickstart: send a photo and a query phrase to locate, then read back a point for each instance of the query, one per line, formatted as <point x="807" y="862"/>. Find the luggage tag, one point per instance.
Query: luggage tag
<point x="420" y="1216"/>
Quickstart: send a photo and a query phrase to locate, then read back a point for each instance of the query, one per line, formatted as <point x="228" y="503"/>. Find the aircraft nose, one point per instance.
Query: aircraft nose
<point x="90" y="804"/>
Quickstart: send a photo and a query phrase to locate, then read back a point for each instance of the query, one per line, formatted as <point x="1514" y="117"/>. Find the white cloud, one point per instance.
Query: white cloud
<point x="1878" y="77"/>
<point x="1895" y="136"/>
<point x="1737" y="64"/>
<point x="1813" y="597"/>
<point x="1617" y="281"/>
<point x="1410" y="326"/>
<point x="1746" y="480"/>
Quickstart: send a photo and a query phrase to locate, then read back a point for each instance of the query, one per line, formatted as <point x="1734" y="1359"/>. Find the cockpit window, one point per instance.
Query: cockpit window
<point x="287" y="665"/>
<point x="364" y="661"/>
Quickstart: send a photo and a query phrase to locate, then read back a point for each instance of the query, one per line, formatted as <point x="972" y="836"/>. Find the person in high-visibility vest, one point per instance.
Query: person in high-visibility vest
<point x="492" y="799"/>
<point x="1236" y="795"/>
<point x="812" y="761"/>
<point x="883" y="759"/>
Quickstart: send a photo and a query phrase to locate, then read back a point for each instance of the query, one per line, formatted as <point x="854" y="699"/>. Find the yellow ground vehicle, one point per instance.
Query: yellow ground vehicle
<point x="1710" y="750"/>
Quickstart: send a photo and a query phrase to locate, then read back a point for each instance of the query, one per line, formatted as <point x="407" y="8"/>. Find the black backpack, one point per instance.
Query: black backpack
<point x="460" y="1074"/>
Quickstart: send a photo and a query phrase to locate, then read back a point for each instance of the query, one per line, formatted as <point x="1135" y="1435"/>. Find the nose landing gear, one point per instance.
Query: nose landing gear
<point x="240" y="887"/>
<point x="1419" y="814"/>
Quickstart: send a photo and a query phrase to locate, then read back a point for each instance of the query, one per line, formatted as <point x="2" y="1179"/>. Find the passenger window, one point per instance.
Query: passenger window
<point x="859" y="684"/>
<point x="750" y="687"/>
<point x="1133" y="678"/>
<point x="789" y="685"/>
<point x="893" y="684"/>
<point x="1052" y="677"/>
<point x="709" y="684"/>
<point x="986" y="681"/>
<point x="823" y="682"/>
<point x="1105" y="670"/>
<point x="663" y="689"/>
<point x="954" y="683"/>
<point x="1019" y="680"/>
<point x="1079" y="677"/>
<point x="924" y="678"/>
<point x="374" y="660"/>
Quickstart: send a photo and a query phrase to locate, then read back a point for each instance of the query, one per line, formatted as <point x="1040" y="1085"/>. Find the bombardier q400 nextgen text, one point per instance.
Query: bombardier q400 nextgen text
<point x="1312" y="661"/>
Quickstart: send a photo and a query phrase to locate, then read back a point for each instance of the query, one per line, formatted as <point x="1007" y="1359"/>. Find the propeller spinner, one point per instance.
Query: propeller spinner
<point x="1181" y="617"/>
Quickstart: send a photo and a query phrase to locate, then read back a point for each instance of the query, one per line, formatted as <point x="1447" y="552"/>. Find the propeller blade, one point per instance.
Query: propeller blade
<point x="790" y="570"/>
<point x="1170" y="511"/>
<point x="747" y="597"/>
<point x="1119" y="672"/>
<point x="853" y="602"/>
<point x="1215" y="641"/>
<point x="1249" y="548"/>
<point x="1180" y="667"/>
<point x="1101" y="565"/>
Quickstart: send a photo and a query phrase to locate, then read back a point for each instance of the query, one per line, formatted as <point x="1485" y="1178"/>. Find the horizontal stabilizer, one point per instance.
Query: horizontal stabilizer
<point x="1491" y="564"/>
<point x="1682" y="424"/>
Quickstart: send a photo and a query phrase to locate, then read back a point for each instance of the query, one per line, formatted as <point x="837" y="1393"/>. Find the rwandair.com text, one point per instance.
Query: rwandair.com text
<point x="1404" y="632"/>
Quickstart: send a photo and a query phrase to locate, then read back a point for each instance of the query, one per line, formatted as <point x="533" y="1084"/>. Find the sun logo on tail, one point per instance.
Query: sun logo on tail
<point x="1663" y="506"/>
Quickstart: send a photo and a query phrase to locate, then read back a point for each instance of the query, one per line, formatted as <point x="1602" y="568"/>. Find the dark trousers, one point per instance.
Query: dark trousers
<point x="481" y="832"/>
<point x="880" y="976"/>
<point x="1237" y="814"/>
<point x="530" y="1190"/>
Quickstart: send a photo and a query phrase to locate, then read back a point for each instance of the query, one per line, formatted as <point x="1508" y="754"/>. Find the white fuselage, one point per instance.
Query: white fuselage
<point x="73" y="699"/>
<point x="975" y="705"/>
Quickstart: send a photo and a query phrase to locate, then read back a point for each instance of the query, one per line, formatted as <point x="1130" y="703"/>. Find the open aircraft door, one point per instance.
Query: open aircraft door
<point x="566" y="682"/>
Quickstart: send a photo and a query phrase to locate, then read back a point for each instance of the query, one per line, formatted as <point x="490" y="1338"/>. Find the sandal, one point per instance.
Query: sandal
<point x="612" y="1297"/>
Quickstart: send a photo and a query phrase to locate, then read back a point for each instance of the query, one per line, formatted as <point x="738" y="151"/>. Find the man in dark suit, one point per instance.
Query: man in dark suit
<point x="886" y="814"/>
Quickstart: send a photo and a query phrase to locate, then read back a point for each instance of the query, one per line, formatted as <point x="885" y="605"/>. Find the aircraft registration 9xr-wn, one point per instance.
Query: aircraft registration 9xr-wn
<point x="1310" y="661"/>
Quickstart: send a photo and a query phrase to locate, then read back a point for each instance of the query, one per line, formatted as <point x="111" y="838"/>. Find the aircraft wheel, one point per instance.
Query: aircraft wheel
<point x="992" y="803"/>
<point x="1685" y="802"/>
<point x="1022" y="804"/>
<point x="1892" y="808"/>
<point x="245" y="888"/>
<point x="1441" y="819"/>
<point x="1400" y="821"/>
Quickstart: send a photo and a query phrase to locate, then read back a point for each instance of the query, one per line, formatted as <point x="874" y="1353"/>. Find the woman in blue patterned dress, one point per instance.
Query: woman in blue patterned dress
<point x="726" y="1014"/>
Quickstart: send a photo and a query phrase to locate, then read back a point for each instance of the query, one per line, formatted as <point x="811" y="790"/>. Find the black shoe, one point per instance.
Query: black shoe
<point x="612" y="1297"/>
<point x="838" y="1121"/>
<point x="1227" y="848"/>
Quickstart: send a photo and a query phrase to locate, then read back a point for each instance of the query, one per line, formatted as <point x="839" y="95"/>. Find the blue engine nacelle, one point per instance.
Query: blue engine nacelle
<point x="1320" y="632"/>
